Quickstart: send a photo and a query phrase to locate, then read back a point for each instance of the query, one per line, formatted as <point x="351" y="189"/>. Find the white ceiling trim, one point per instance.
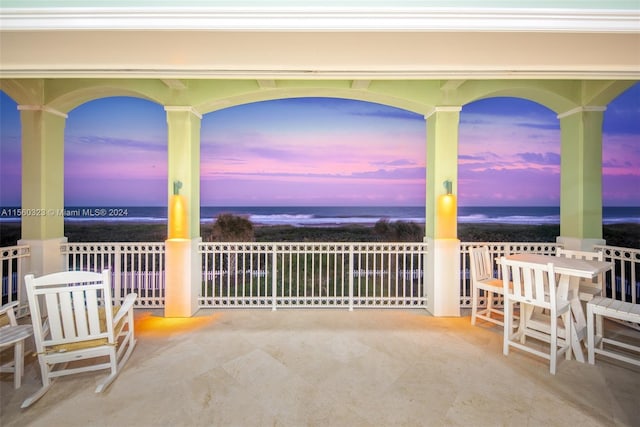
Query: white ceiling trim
<point x="265" y="75"/>
<point x="321" y="19"/>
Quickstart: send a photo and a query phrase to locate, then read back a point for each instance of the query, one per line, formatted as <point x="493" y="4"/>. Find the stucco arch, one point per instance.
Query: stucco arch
<point x="604" y="92"/>
<point x="558" y="96"/>
<point x="208" y="95"/>
<point x="310" y="92"/>
<point x="66" y="97"/>
<point x="553" y="95"/>
<point x="23" y="92"/>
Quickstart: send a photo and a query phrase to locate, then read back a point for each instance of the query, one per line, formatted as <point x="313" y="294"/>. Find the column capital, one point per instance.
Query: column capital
<point x="443" y="109"/>
<point x="582" y="109"/>
<point x="42" y="108"/>
<point x="189" y="109"/>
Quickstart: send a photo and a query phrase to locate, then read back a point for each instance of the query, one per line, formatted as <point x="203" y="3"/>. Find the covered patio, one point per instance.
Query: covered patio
<point x="203" y="57"/>
<point x="329" y="367"/>
<point x="320" y="367"/>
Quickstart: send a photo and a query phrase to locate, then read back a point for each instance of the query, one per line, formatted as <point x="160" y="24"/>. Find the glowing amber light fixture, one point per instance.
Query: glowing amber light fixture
<point x="178" y="225"/>
<point x="446" y="224"/>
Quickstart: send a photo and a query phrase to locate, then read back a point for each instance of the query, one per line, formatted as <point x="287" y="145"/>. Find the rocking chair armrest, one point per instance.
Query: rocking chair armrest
<point x="8" y="306"/>
<point x="127" y="305"/>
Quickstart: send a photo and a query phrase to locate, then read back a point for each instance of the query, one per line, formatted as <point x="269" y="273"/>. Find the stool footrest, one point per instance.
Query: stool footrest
<point x="599" y="308"/>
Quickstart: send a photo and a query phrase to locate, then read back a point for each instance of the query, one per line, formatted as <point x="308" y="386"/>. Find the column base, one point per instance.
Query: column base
<point x="182" y="277"/>
<point x="45" y="256"/>
<point x="577" y="244"/>
<point x="443" y="278"/>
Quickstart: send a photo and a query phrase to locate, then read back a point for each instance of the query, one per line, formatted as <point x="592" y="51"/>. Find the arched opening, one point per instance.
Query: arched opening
<point x="313" y="158"/>
<point x="621" y="150"/>
<point x="10" y="153"/>
<point x="115" y="166"/>
<point x="116" y="153"/>
<point x="509" y="154"/>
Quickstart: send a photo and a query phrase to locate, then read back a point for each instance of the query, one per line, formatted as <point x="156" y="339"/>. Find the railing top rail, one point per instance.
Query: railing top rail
<point x="610" y="249"/>
<point x="113" y="246"/>
<point x="497" y="245"/>
<point x="312" y="246"/>
<point x="18" y="251"/>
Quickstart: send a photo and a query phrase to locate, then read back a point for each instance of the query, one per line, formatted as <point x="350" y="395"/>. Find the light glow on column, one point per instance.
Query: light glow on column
<point x="446" y="224"/>
<point x="178" y="221"/>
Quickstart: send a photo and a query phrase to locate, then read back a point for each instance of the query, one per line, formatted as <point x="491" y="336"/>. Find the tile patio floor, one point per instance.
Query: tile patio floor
<point x="303" y="367"/>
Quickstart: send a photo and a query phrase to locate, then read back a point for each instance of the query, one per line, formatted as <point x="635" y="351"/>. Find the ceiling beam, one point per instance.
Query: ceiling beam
<point x="451" y="84"/>
<point x="174" y="84"/>
<point x="360" y="84"/>
<point x="267" y="84"/>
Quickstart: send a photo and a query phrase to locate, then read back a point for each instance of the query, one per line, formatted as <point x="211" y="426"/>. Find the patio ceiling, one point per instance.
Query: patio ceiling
<point x="265" y="42"/>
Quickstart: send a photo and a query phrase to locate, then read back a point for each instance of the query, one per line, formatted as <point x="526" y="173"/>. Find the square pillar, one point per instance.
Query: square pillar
<point x="183" y="271"/>
<point x="441" y="225"/>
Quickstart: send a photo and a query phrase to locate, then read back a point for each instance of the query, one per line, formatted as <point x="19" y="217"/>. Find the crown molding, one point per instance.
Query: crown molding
<point x="322" y="19"/>
<point x="442" y="74"/>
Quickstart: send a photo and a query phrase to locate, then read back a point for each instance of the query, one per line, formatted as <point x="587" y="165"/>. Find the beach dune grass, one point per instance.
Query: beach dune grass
<point x="622" y="235"/>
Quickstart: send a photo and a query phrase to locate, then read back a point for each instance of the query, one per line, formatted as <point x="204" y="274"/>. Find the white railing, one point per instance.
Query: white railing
<point x="281" y="275"/>
<point x="496" y="250"/>
<point x="297" y="274"/>
<point x="623" y="281"/>
<point x="136" y="267"/>
<point x="11" y="271"/>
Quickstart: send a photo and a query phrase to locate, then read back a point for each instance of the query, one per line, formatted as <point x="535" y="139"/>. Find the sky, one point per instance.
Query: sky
<point x="324" y="151"/>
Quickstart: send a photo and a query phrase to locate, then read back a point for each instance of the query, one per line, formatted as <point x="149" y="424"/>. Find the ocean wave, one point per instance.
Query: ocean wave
<point x="280" y="218"/>
<point x="621" y="220"/>
<point x="142" y="219"/>
<point x="510" y="219"/>
<point x="337" y="216"/>
<point x="477" y="218"/>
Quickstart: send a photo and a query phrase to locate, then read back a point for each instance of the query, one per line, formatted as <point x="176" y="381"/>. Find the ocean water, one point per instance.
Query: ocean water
<point x="302" y="216"/>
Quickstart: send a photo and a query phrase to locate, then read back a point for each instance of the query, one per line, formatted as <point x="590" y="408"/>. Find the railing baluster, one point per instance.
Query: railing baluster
<point x="118" y="273"/>
<point x="274" y="275"/>
<point x="351" y="278"/>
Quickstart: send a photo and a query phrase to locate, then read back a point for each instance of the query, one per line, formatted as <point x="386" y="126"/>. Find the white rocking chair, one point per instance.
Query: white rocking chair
<point x="79" y="323"/>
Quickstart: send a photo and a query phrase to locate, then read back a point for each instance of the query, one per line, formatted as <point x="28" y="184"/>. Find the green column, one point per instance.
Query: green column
<point x="581" y="176"/>
<point x="42" y="221"/>
<point x="184" y="160"/>
<point x="442" y="161"/>
<point x="183" y="267"/>
<point x="443" y="254"/>
<point x="42" y="172"/>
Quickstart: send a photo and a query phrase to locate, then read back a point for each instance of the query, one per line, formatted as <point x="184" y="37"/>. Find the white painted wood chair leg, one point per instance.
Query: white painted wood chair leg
<point x="507" y="327"/>
<point x="474" y="305"/>
<point x="36" y="396"/>
<point x="590" y="336"/>
<point x="18" y="356"/>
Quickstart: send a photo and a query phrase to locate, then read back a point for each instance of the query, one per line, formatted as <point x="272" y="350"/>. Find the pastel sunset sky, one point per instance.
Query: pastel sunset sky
<point x="321" y="151"/>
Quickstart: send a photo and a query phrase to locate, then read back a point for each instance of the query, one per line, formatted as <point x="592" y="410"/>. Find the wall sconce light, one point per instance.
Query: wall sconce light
<point x="448" y="186"/>
<point x="177" y="185"/>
